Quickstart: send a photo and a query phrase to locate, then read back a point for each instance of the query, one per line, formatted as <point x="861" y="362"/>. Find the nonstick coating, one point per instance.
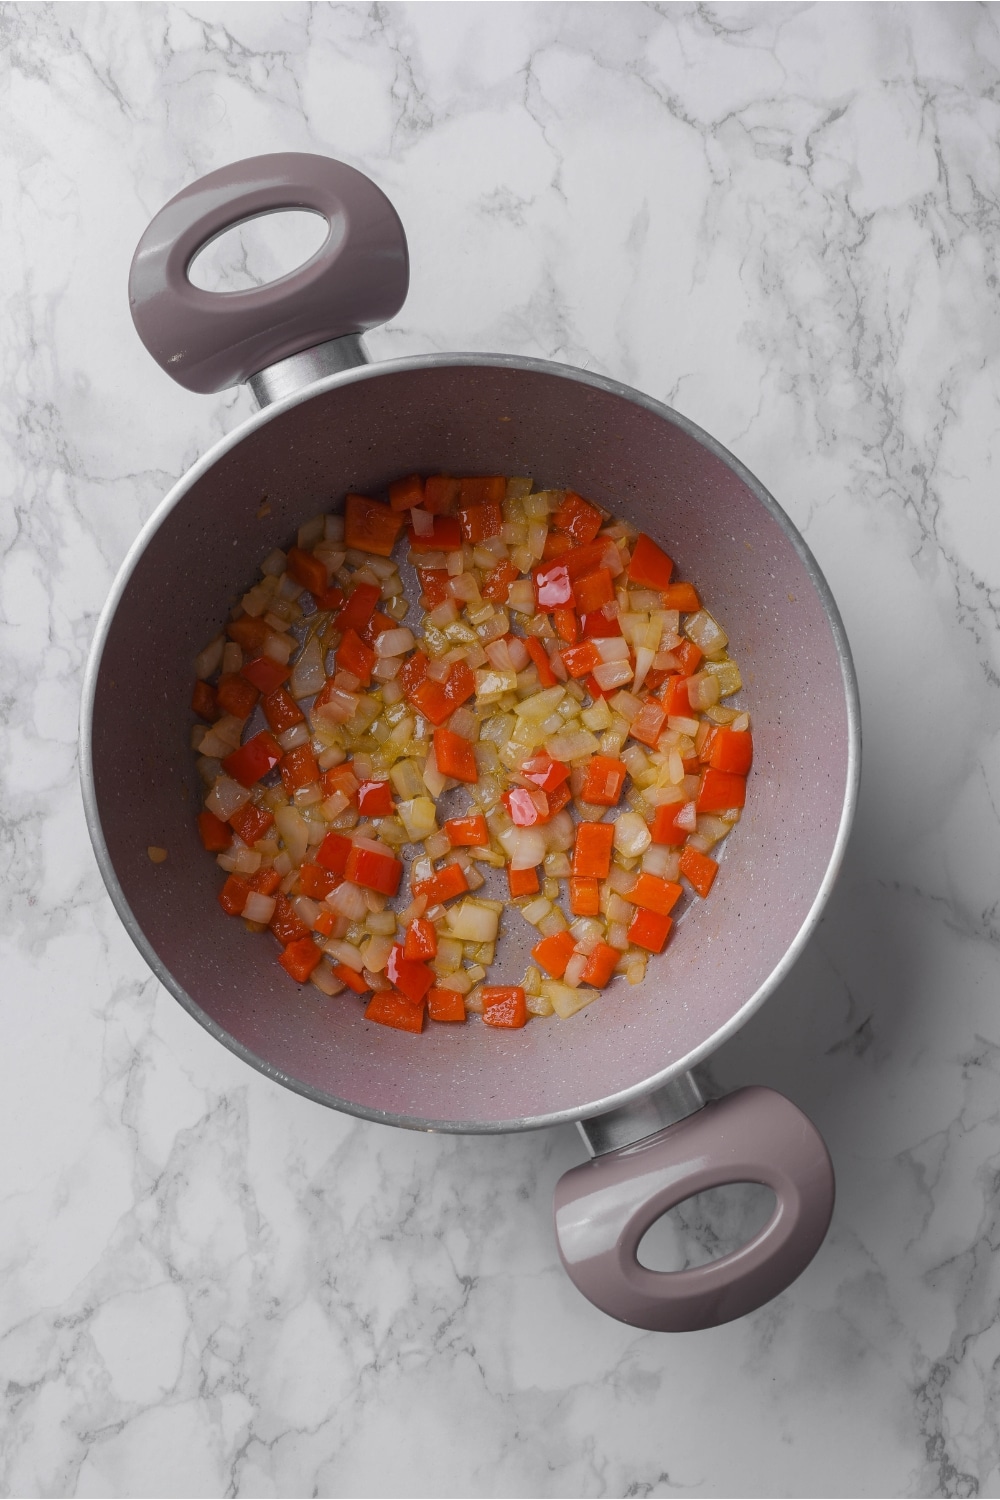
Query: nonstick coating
<point x="473" y="415"/>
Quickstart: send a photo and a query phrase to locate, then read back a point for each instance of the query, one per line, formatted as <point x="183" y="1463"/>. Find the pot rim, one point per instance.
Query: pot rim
<point x="494" y="361"/>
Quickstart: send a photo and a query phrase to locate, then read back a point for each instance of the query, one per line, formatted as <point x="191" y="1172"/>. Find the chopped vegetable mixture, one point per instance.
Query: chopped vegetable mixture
<point x="558" y="665"/>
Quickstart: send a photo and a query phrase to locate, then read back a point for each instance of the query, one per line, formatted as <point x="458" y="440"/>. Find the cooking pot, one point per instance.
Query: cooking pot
<point x="329" y="422"/>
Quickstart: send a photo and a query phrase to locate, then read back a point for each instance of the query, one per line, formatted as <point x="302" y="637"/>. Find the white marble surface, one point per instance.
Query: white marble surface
<point x="784" y="220"/>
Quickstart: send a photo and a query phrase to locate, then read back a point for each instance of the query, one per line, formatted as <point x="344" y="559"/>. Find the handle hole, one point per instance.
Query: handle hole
<point x="258" y="251"/>
<point x="706" y="1227"/>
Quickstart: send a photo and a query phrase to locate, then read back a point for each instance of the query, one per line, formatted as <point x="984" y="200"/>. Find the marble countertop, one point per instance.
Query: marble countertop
<point x="783" y="220"/>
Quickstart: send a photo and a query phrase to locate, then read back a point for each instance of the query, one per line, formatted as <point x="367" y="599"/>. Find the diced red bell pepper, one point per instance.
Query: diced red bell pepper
<point x="504" y="1005"/>
<point x="479" y="490"/>
<point x="526" y="808"/>
<point x="324" y="921"/>
<point x="552" y="585"/>
<point x="413" y="671"/>
<point x="593" y="591"/>
<point x="558" y="798"/>
<point x="420" y="942"/>
<point x="480" y="521"/>
<point x="251" y="822"/>
<point x="254" y="759"/>
<point x="689" y="656"/>
<point x="592" y="850"/>
<point x="285" y="923"/>
<point x="204" y="702"/>
<point x="597" y="624"/>
<point x="603" y="781"/>
<point x="655" y="894"/>
<point x="235" y="695"/>
<point x="359" y="608"/>
<point x="567" y="626"/>
<point x="215" y="835"/>
<point x="334" y="852"/>
<point x="233" y="896"/>
<point x="249" y="632"/>
<point x="719" y="791"/>
<point x="316" y="882"/>
<point x="540" y="657"/>
<point x="341" y="779"/>
<point x="601" y="966"/>
<point x="428" y="698"/>
<point x="570" y="565"/>
<point x="411" y="979"/>
<point x="307" y="570"/>
<point x="556" y="543"/>
<point x="650" y="566"/>
<point x="578" y="518"/>
<point x="375" y="627"/>
<point x="441" y="493"/>
<point x="664" y="827"/>
<point x="299" y="768"/>
<point x="265" y="673"/>
<point x="584" y="897"/>
<point x="404" y="494"/>
<point x="698" y="869"/>
<point x="375" y="799"/>
<point x="682" y="596"/>
<point x="373" y="869"/>
<point x="434" y="586"/>
<point x="354" y="981"/>
<point x="445" y="1005"/>
<point x="496" y="585"/>
<point x="370" y="526"/>
<point x="389" y="1008"/>
<point x="447" y="882"/>
<point x="553" y="953"/>
<point x="468" y="833"/>
<point x="281" y="710"/>
<point x="266" y="881"/>
<point x="675" y="698"/>
<point x="300" y="958"/>
<point x="648" y="723"/>
<point x="445" y="536"/>
<point x="454" y="756"/>
<point x="649" y="930"/>
<point x="732" y="750"/>
<point x="523" y="882"/>
<point x="581" y="660"/>
<point x="330" y="599"/>
<point x="354" y="656"/>
<point x="544" y="771"/>
<point x="461" y="685"/>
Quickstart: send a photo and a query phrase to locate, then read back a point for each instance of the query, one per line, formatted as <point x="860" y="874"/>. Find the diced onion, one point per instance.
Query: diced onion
<point x="308" y="675"/>
<point x="472" y="922"/>
<point x="294" y="832"/>
<point x="348" y="901"/>
<point x="706" y="633"/>
<point x="227" y="797"/>
<point x="258" y="908"/>
<point x="574" y="970"/>
<point x="394" y="642"/>
<point x="612" y="674"/>
<point x="565" y="1000"/>
<point x="418" y="817"/>
<point x="525" y="846"/>
<point x="209" y="660"/>
<point x="292" y="738"/>
<point x="345" y="953"/>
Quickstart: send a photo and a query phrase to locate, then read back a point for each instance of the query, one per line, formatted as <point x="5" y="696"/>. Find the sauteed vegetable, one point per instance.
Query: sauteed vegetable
<point x="558" y="665"/>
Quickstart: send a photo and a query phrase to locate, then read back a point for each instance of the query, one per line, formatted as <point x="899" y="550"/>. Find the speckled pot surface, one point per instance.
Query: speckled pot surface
<point x="476" y="414"/>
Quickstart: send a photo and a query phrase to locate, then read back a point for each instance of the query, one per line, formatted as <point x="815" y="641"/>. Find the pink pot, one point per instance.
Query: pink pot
<point x="330" y="423"/>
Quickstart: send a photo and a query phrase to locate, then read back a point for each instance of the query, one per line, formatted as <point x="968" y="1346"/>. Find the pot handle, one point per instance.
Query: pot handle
<point x="210" y="340"/>
<point x="604" y="1207"/>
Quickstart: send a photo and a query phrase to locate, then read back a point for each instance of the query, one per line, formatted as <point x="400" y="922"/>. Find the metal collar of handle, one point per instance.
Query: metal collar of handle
<point x="290" y="375"/>
<point x="642" y="1118"/>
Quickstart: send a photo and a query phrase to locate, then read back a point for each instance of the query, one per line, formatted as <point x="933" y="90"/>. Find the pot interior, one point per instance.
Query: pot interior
<point x="472" y="417"/>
